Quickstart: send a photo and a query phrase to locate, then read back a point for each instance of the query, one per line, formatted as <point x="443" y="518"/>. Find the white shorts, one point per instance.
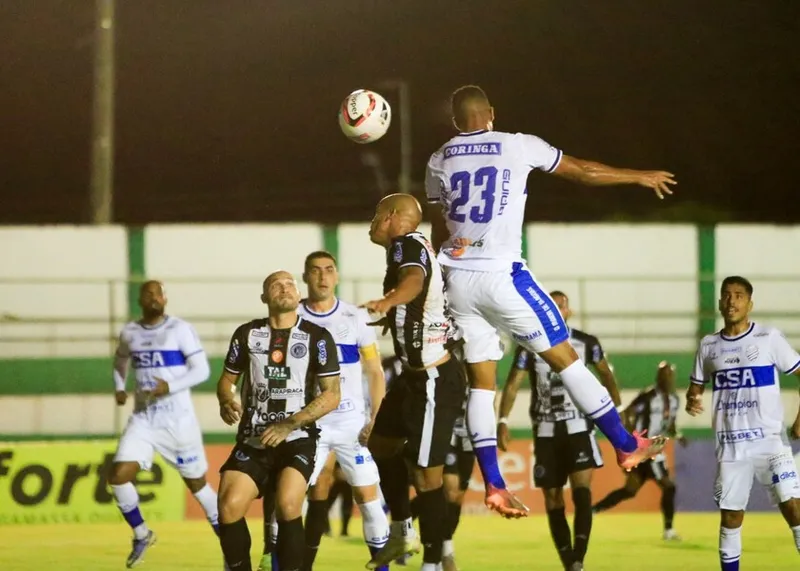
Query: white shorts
<point x="776" y="472"/>
<point x="356" y="461"/>
<point x="513" y="301"/>
<point x="179" y="444"/>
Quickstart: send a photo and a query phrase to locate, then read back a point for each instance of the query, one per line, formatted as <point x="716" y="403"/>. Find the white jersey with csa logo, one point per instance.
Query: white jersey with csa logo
<point x="744" y="374"/>
<point x="160" y="352"/>
<point x="480" y="180"/>
<point x="348" y="326"/>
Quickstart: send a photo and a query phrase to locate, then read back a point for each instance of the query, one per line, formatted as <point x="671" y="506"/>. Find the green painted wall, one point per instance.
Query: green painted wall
<point x="93" y="375"/>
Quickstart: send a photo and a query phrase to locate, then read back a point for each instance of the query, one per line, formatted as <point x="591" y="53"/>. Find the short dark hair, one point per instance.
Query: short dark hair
<point x="316" y="255"/>
<point x="556" y="292"/>
<point x="737" y="280"/>
<point x="463" y="96"/>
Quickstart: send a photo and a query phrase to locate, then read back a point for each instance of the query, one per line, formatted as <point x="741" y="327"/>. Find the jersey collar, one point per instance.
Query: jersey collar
<point x="331" y="312"/>
<point x="154" y="327"/>
<point x="472" y="133"/>
<point x="745" y="334"/>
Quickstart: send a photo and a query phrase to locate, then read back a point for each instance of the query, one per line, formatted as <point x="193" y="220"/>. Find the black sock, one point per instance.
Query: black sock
<point x="452" y="515"/>
<point x="268" y="503"/>
<point x="668" y="505"/>
<point x="394" y="484"/>
<point x="347" y="507"/>
<point x="414" y="507"/>
<point x="316" y="517"/>
<point x="582" y="523"/>
<point x="432" y="506"/>
<point x="559" y="530"/>
<point x="235" y="541"/>
<point x="613" y="499"/>
<point x="291" y="545"/>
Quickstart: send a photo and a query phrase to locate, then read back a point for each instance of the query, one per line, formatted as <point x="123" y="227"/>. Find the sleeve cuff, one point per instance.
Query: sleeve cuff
<point x="424" y="269"/>
<point x="232" y="370"/>
<point x="792" y="369"/>
<point x="554" y="166"/>
<point x="696" y="381"/>
<point x="329" y="374"/>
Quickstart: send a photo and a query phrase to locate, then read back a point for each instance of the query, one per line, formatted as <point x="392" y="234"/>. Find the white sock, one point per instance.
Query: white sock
<point x="128" y="502"/>
<point x="796" y="532"/>
<point x="586" y="391"/>
<point x="481" y="418"/>
<point x="429" y="567"/>
<point x="207" y="498"/>
<point x="375" y="524"/>
<point x="404" y="527"/>
<point x="730" y="547"/>
<point x="448" y="549"/>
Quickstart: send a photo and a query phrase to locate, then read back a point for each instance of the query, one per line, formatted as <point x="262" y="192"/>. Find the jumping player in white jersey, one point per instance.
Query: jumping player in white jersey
<point x="476" y="181"/>
<point x="343" y="432"/>
<point x="167" y="361"/>
<point x="743" y="362"/>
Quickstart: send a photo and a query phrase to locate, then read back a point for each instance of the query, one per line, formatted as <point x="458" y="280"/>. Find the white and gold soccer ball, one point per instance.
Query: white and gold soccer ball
<point x="364" y="116"/>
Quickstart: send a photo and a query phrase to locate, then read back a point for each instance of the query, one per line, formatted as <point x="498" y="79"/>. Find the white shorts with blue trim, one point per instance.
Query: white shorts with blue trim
<point x="484" y="303"/>
<point x="355" y="460"/>
<point x="775" y="472"/>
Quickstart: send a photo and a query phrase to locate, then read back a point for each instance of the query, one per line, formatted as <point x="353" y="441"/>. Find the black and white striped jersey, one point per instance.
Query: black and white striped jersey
<point x="281" y="369"/>
<point x="421" y="327"/>
<point x="550" y="401"/>
<point x="655" y="411"/>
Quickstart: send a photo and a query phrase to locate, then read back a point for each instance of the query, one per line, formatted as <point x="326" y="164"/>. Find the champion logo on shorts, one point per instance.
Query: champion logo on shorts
<point x="241" y="456"/>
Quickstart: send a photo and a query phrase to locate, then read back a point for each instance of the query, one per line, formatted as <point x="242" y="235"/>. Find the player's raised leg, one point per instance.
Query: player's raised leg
<point x="633" y="482"/>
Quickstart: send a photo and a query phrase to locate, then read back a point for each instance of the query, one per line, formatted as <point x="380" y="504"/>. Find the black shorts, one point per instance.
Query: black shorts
<point x="421" y="407"/>
<point x="460" y="461"/>
<point x="556" y="457"/>
<point x="652" y="470"/>
<point x="264" y="466"/>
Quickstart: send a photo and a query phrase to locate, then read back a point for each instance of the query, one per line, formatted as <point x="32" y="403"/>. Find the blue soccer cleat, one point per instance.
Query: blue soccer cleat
<point x="140" y="546"/>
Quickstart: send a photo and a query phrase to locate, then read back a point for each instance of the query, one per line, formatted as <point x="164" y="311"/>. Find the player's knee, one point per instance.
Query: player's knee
<point x="582" y="498"/>
<point x="553" y="499"/>
<point x="289" y="507"/>
<point x="195" y="484"/>
<point x="322" y="487"/>
<point x="364" y="494"/>
<point x="232" y="505"/>
<point x="122" y="473"/>
<point x="454" y="496"/>
<point x="791" y="511"/>
<point x="668" y="486"/>
<point x="427" y="479"/>
<point x="731" y="519"/>
<point x="482" y="375"/>
<point x="560" y="356"/>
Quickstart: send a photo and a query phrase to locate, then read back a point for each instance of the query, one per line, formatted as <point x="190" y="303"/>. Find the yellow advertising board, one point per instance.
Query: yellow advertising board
<point x="65" y="482"/>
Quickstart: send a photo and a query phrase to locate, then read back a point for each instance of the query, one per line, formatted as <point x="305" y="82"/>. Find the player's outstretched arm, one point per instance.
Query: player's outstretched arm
<point x="376" y="382"/>
<point x="592" y="173"/>
<point x="122" y="359"/>
<point x="410" y="285"/>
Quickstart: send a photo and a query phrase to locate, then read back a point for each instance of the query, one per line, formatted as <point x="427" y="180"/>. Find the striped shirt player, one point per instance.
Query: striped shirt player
<point x="420" y="331"/>
<point x="340" y="428"/>
<point x="281" y="370"/>
<point x="564" y="437"/>
<point x="170" y="351"/>
<point x="744" y="374"/>
<point x="655" y="411"/>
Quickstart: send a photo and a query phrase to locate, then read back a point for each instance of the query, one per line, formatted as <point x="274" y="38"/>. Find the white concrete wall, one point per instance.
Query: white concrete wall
<point x="213" y="273"/>
<point x="60" y="273"/>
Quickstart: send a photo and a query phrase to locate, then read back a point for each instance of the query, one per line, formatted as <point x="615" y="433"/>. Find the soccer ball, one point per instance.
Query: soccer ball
<point x="364" y="116"/>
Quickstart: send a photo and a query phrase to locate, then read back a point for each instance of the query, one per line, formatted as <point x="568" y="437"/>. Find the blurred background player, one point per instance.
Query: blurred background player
<point x="291" y="372"/>
<point x="343" y="432"/>
<point x="168" y="360"/>
<point x="416" y="418"/>
<point x="564" y="443"/>
<point x="654" y="410"/>
<point x="342" y="491"/>
<point x="477" y="180"/>
<point x="744" y="362"/>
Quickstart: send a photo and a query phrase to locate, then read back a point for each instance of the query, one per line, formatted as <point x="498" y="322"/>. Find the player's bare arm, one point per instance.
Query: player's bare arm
<point x="694" y="399"/>
<point x="326" y="401"/>
<point x="439" y="232"/>
<point x="592" y="173"/>
<point x="608" y="380"/>
<point x="371" y="365"/>
<point x="410" y="285"/>
<point x="120" y="372"/>
<point x="229" y="409"/>
<point x="513" y="382"/>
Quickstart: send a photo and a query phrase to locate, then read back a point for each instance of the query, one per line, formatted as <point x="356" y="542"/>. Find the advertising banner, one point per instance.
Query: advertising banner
<point x="65" y="482"/>
<point x="517" y="467"/>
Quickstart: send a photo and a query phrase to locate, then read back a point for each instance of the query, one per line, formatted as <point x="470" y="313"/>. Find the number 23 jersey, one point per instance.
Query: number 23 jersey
<point x="480" y="179"/>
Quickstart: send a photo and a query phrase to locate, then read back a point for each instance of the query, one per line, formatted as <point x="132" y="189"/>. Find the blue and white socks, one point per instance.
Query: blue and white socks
<point x="128" y="502"/>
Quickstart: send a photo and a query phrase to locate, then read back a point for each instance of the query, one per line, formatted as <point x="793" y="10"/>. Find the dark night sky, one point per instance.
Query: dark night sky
<point x="226" y="108"/>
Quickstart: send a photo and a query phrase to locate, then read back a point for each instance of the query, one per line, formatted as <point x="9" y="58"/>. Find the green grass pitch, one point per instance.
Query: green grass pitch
<point x="483" y="543"/>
